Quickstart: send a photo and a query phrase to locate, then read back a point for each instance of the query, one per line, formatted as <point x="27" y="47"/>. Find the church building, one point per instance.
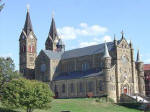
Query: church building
<point x="104" y="69"/>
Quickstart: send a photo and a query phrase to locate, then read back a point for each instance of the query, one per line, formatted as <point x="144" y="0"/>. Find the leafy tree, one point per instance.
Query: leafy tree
<point x="1" y="6"/>
<point x="7" y="71"/>
<point x="27" y="94"/>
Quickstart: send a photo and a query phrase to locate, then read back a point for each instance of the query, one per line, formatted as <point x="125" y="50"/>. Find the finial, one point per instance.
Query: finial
<point x="28" y="7"/>
<point x="130" y="43"/>
<point x="115" y="41"/>
<point x="53" y="14"/>
<point x="122" y="34"/>
<point x="138" y="56"/>
<point x="114" y="37"/>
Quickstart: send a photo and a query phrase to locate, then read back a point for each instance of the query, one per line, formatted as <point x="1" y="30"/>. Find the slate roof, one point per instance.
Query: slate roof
<point x="53" y="54"/>
<point x="78" y="75"/>
<point x="95" y="49"/>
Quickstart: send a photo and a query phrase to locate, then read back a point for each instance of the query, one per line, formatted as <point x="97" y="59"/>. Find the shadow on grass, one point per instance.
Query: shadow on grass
<point x="131" y="105"/>
<point x="6" y="110"/>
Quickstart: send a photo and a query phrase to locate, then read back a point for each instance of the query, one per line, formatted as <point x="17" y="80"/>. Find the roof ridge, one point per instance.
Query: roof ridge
<point x="88" y="46"/>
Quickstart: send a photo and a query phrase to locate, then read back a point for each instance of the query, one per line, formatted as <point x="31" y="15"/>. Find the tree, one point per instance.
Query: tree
<point x="7" y="70"/>
<point x="27" y="94"/>
<point x="1" y="6"/>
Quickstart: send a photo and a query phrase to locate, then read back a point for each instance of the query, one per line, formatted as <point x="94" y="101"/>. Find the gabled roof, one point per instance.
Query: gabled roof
<point x="95" y="49"/>
<point x="53" y="54"/>
<point x="28" y="25"/>
<point x="78" y="75"/>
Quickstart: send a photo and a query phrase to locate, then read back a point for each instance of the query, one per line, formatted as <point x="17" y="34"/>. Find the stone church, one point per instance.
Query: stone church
<point x="104" y="69"/>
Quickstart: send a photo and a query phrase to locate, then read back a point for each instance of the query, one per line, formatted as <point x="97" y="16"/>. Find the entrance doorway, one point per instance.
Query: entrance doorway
<point x="125" y="90"/>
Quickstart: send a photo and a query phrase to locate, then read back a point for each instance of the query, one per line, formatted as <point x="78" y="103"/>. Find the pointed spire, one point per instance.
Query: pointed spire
<point x="115" y="41"/>
<point x="53" y="31"/>
<point x="122" y="33"/>
<point x="106" y="52"/>
<point x="138" y="56"/>
<point x="28" y="25"/>
<point x="130" y="43"/>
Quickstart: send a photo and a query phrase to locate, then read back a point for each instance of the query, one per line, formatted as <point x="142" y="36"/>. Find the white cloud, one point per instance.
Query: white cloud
<point x="69" y="32"/>
<point x="83" y="25"/>
<point x="85" y="44"/>
<point x="107" y="38"/>
<point x="96" y="41"/>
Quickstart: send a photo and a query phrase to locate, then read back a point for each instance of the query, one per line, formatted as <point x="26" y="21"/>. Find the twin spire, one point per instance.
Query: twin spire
<point x="28" y="25"/>
<point x="53" y="31"/>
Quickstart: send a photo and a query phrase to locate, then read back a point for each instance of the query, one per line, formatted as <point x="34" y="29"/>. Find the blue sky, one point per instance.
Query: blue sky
<point x="103" y="18"/>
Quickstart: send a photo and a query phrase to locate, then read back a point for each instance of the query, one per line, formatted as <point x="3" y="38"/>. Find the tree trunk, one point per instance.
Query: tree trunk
<point x="29" y="109"/>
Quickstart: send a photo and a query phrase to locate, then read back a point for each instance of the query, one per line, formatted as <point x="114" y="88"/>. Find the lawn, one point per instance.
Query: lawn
<point x="83" y="105"/>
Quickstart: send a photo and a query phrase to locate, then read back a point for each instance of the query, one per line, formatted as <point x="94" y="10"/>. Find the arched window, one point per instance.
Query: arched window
<point x="56" y="88"/>
<point x="63" y="88"/>
<point x="85" y="66"/>
<point x="80" y="87"/>
<point x="100" y="85"/>
<point x="72" y="87"/>
<point x="23" y="48"/>
<point x="31" y="48"/>
<point x="90" y="86"/>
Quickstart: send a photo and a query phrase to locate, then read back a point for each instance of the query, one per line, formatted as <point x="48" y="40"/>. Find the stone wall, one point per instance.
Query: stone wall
<point x="79" y="87"/>
<point x="42" y="62"/>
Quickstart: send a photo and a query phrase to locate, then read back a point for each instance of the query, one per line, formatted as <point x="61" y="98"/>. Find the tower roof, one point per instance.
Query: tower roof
<point x="138" y="56"/>
<point x="106" y="53"/>
<point x="53" y="31"/>
<point x="28" y="25"/>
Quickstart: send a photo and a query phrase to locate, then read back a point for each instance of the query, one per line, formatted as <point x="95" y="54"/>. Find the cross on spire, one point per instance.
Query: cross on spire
<point x="53" y="14"/>
<point x="122" y="33"/>
<point x="28" y="7"/>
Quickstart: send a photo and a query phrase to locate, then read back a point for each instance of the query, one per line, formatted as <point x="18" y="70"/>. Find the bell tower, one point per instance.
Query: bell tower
<point x="27" y="49"/>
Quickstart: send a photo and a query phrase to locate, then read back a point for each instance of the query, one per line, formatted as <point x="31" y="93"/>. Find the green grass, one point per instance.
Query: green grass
<point x="83" y="105"/>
